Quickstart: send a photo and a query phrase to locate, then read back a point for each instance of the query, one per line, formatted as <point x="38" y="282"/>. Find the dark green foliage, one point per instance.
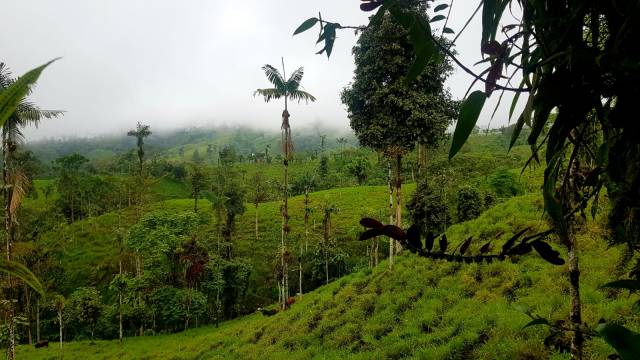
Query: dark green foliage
<point x="173" y="308"/>
<point x="428" y="209"/>
<point x="358" y="167"/>
<point x="383" y="110"/>
<point x="505" y="184"/>
<point x="227" y="156"/>
<point x="82" y="311"/>
<point x="469" y="203"/>
<point x="323" y="169"/>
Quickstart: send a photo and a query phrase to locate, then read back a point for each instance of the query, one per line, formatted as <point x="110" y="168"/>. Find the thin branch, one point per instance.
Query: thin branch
<point x="466" y="24"/>
<point x="447" y="20"/>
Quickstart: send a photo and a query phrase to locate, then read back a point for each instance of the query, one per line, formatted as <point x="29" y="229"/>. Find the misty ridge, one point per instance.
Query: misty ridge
<point x="245" y="140"/>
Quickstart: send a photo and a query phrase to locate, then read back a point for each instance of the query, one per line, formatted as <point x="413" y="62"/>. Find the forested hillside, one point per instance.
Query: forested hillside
<point x="497" y="218"/>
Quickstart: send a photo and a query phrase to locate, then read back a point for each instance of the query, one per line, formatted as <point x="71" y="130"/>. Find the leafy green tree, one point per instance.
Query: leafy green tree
<point x="386" y="113"/>
<point x="428" y="209"/>
<point x="70" y="170"/>
<point x="173" y="307"/>
<point x="259" y="193"/>
<point x="140" y="133"/>
<point x="287" y="89"/>
<point x="469" y="203"/>
<point x="196" y="157"/>
<point x="358" y="167"/>
<point x="323" y="168"/>
<point x="83" y="309"/>
<point x="198" y="181"/>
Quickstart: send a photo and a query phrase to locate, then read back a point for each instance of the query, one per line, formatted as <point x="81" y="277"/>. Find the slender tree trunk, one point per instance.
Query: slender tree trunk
<point x="300" y="273"/>
<point x="8" y="227"/>
<point x="391" y="241"/>
<point x="60" y="327"/>
<point x="195" y="204"/>
<point x="398" y="197"/>
<point x="120" y="302"/>
<point x="38" y="339"/>
<point x="256" y="221"/>
<point x="27" y="295"/>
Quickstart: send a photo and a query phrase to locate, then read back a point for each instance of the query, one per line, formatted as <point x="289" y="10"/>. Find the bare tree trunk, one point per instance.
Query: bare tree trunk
<point x="391" y="241"/>
<point x="27" y="295"/>
<point x="256" y="221"/>
<point x="8" y="227"/>
<point x="120" y="302"/>
<point x="398" y="197"/>
<point x="60" y="327"/>
<point x="38" y="319"/>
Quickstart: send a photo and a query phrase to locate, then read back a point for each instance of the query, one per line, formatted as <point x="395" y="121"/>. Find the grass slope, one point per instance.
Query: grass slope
<point x="421" y="309"/>
<point x="88" y="249"/>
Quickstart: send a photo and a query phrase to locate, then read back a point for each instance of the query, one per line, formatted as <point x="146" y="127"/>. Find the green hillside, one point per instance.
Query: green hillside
<point x="88" y="250"/>
<point x="421" y="309"/>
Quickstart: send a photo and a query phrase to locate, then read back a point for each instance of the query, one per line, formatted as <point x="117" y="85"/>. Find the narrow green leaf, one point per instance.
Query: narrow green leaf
<point x="515" y="100"/>
<point x="420" y="36"/>
<point x="488" y="13"/>
<point x="11" y="96"/>
<point x="469" y="113"/>
<point x="437" y="18"/>
<point x="628" y="284"/>
<point x="447" y="30"/>
<point x="538" y="321"/>
<point x="306" y="25"/>
<point x="440" y="7"/>
<point x="625" y="341"/>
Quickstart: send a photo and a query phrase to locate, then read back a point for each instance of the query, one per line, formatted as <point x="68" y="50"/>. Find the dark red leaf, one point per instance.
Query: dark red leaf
<point x="492" y="48"/>
<point x="512" y="241"/>
<point x="465" y="245"/>
<point x="520" y="249"/>
<point x="394" y="232"/>
<point x="413" y="237"/>
<point x="492" y="77"/>
<point x="443" y="243"/>
<point x="370" y="6"/>
<point x="371" y="223"/>
<point x="547" y="252"/>
<point x="485" y="248"/>
<point x="428" y="242"/>
<point x="371" y="233"/>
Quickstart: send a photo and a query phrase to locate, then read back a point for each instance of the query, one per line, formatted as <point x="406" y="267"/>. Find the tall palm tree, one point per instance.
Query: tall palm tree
<point x="289" y="89"/>
<point x="14" y="177"/>
<point x="140" y="132"/>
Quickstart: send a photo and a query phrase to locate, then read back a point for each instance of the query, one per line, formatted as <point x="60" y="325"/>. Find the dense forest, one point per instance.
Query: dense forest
<point x="417" y="234"/>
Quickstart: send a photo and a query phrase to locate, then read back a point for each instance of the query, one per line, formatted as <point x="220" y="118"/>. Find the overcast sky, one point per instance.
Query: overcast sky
<point x="189" y="63"/>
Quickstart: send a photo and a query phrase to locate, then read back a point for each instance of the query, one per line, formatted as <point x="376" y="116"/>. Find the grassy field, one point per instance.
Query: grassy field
<point x="421" y="309"/>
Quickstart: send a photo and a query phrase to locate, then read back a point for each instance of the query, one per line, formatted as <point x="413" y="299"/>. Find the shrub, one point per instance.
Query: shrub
<point x="469" y="204"/>
<point x="505" y="184"/>
<point x="428" y="209"/>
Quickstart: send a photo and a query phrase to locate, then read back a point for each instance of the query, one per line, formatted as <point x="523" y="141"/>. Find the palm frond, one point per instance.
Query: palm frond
<point x="269" y="94"/>
<point x="12" y="132"/>
<point x="6" y="77"/>
<point x="294" y="81"/>
<point x="19" y="186"/>
<point x="300" y="95"/>
<point x="21" y="272"/>
<point x="274" y="77"/>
